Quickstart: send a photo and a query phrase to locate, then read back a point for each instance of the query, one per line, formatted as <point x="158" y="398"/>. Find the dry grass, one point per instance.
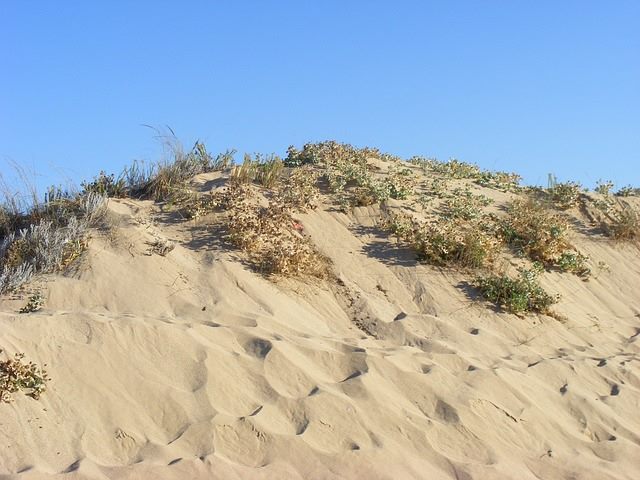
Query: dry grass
<point x="624" y="224"/>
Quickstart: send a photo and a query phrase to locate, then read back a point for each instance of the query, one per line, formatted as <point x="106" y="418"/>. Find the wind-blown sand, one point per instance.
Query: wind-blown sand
<point x="190" y="365"/>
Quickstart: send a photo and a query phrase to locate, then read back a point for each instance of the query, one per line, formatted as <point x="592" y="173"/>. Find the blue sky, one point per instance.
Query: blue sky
<point x="532" y="87"/>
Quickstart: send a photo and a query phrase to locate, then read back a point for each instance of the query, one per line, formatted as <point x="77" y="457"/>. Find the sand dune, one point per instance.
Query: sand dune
<point x="190" y="365"/>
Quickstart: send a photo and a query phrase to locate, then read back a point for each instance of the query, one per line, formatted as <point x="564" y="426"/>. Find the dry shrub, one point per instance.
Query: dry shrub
<point x="298" y="190"/>
<point x="623" y="224"/>
<point x="15" y="375"/>
<point x="542" y="235"/>
<point x="269" y="234"/>
<point x="51" y="242"/>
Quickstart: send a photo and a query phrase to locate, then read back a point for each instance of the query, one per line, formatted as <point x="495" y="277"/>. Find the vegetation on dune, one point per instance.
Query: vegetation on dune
<point x="45" y="237"/>
<point x="517" y="295"/>
<point x="262" y="195"/>
<point x="542" y="235"/>
<point x="15" y="376"/>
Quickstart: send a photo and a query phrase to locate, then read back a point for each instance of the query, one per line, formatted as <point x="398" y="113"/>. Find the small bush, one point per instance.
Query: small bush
<point x="446" y="242"/>
<point x="453" y="168"/>
<point x="465" y="205"/>
<point x="628" y="191"/>
<point x="517" y="295"/>
<point x="16" y="375"/>
<point x="105" y="185"/>
<point x="269" y="235"/>
<point x="624" y="224"/>
<point x="53" y="241"/>
<point x="604" y="188"/>
<point x="400" y="183"/>
<point x="564" y="195"/>
<point x="542" y="236"/>
<point x="298" y="190"/>
<point x="34" y="304"/>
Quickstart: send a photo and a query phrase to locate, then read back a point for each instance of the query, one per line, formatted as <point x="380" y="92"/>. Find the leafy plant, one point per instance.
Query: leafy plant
<point x="298" y="190"/>
<point x="628" y="191"/>
<point x="465" y="205"/>
<point x="15" y="375"/>
<point x="446" y="241"/>
<point x="604" y="188"/>
<point x="564" y="195"/>
<point x="517" y="295"/>
<point x="34" y="304"/>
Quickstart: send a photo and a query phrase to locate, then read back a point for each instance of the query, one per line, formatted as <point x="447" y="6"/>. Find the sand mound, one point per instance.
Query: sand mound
<point x="190" y="365"/>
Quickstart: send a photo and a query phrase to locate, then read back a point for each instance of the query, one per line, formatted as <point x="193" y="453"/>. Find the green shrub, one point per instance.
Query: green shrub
<point x="465" y="205"/>
<point x="628" y="191"/>
<point x="445" y="241"/>
<point x="517" y="295"/>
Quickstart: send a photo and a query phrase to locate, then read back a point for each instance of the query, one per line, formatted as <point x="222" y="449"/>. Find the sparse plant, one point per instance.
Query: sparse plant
<point x="268" y="170"/>
<point x="624" y="224"/>
<point x="503" y="181"/>
<point x="400" y="183"/>
<point x="574" y="262"/>
<point x="517" y="295"/>
<point x="264" y="170"/>
<point x="564" y="195"/>
<point x="628" y="191"/>
<point x="105" y="186"/>
<point x="15" y="375"/>
<point x="34" y="304"/>
<point x="604" y="187"/>
<point x="160" y="246"/>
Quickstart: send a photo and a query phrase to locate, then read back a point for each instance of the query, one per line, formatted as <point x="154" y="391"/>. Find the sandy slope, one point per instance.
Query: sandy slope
<point x="192" y="366"/>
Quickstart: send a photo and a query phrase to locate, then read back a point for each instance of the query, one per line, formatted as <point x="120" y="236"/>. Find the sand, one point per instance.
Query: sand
<point x="191" y="366"/>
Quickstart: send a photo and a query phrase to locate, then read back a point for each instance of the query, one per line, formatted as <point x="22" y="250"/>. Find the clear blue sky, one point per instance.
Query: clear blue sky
<point x="532" y="87"/>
